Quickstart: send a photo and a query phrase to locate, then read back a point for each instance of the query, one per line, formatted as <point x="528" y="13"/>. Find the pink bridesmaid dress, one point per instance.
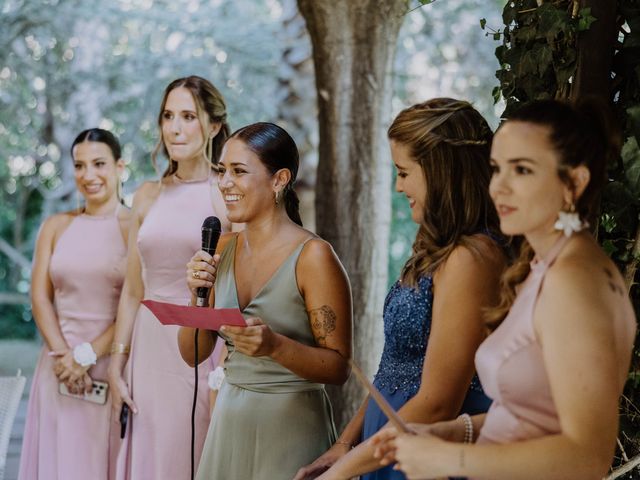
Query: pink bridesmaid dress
<point x="161" y="383"/>
<point x="511" y="367"/>
<point x="68" y="438"/>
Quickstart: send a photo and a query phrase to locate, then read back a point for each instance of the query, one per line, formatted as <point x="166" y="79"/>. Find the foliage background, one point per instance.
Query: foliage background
<point x="72" y="64"/>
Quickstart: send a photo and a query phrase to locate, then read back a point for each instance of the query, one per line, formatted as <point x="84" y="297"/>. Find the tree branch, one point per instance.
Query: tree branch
<point x="12" y="298"/>
<point x="627" y="467"/>
<point x="14" y="255"/>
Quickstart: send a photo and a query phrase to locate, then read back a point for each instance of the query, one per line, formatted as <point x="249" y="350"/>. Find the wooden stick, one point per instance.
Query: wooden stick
<point x="387" y="409"/>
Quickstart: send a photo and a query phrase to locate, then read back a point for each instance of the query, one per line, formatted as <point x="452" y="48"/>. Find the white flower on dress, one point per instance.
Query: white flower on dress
<point x="215" y="379"/>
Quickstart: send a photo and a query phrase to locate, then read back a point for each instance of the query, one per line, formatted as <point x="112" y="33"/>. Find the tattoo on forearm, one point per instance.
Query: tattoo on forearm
<point x="323" y="322"/>
<point x="615" y="288"/>
<point x="462" y="458"/>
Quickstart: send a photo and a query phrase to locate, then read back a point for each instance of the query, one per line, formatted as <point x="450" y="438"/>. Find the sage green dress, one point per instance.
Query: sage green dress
<point x="268" y="422"/>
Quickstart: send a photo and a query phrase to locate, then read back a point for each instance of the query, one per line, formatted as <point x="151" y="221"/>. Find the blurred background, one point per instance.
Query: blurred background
<point x="68" y="65"/>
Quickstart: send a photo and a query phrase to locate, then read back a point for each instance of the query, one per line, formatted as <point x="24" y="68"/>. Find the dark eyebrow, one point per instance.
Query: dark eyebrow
<point x="514" y="161"/>
<point x="166" y="110"/>
<point x="91" y="160"/>
<point x="398" y="166"/>
<point x="522" y="160"/>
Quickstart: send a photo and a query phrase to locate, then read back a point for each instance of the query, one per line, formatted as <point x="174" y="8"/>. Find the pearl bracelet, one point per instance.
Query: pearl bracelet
<point x="468" y="427"/>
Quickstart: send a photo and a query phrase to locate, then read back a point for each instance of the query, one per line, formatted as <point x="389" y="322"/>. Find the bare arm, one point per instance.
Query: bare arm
<point x="585" y="364"/>
<point x="463" y="287"/>
<point x="41" y="287"/>
<point x="207" y="267"/>
<point x="130" y="298"/>
<point x="327" y="295"/>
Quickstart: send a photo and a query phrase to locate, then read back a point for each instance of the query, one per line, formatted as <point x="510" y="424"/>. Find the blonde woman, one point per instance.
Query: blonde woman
<point x="167" y="217"/>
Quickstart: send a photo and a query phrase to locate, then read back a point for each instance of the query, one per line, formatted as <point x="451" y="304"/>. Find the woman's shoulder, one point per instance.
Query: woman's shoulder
<point x="144" y="196"/>
<point x="54" y="225"/>
<point x="477" y="254"/>
<point x="585" y="277"/>
<point x="61" y="220"/>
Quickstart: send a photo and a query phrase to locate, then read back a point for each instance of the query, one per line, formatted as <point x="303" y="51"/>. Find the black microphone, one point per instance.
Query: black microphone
<point x="211" y="230"/>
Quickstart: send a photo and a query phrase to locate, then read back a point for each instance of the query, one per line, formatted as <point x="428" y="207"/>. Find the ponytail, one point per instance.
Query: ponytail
<point x="292" y="204"/>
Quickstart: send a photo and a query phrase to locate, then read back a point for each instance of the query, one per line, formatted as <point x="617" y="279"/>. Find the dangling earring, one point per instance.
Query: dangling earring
<point x="569" y="221"/>
<point x="277" y="195"/>
<point x="209" y="149"/>
<point x="79" y="206"/>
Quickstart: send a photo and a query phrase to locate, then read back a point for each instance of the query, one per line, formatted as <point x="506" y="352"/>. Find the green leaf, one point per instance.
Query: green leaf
<point x="496" y="36"/>
<point x="609" y="247"/>
<point x="426" y="2"/>
<point x="608" y="222"/>
<point x="496" y="93"/>
<point x="483" y="23"/>
<point x="552" y="21"/>
<point x="633" y="119"/>
<point x="585" y="19"/>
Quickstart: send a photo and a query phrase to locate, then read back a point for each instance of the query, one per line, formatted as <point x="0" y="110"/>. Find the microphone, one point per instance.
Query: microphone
<point x="211" y="230"/>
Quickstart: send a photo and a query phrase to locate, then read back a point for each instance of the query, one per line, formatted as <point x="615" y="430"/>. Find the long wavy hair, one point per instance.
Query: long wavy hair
<point x="451" y="142"/>
<point x="210" y="108"/>
<point x="581" y="133"/>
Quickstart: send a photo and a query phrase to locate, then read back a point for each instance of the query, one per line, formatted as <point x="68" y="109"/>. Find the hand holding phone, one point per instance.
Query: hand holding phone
<point x="98" y="393"/>
<point x="124" y="418"/>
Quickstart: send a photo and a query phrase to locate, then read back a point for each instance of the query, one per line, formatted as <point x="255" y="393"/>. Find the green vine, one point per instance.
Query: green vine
<point x="539" y="50"/>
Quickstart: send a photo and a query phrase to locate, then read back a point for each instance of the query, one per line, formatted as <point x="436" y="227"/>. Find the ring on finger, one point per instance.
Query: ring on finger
<point x="196" y="274"/>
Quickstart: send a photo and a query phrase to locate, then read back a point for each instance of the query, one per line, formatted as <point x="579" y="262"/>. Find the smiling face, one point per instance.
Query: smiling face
<point x="525" y="186"/>
<point x="181" y="128"/>
<point x="247" y="186"/>
<point x="96" y="171"/>
<point x="409" y="179"/>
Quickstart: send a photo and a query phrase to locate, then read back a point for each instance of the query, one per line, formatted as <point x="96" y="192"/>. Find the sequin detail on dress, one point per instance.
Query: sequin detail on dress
<point x="407" y="325"/>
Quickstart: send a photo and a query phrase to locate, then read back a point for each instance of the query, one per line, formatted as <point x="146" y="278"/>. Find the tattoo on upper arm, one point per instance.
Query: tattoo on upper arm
<point x="615" y="288"/>
<point x="323" y="322"/>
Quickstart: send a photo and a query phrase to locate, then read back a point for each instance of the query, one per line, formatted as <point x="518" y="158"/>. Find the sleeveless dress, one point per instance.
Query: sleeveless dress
<point x="267" y="422"/>
<point x="407" y="324"/>
<point x="161" y="384"/>
<point x="67" y="438"/>
<point x="511" y="366"/>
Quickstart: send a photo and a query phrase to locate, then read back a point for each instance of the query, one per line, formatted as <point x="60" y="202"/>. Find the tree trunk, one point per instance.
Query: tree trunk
<point x="595" y="51"/>
<point x="297" y="105"/>
<point x="353" y="48"/>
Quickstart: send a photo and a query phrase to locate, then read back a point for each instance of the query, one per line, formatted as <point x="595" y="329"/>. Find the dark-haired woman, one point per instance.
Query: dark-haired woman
<point x="165" y="231"/>
<point x="433" y="314"/>
<point x="78" y="270"/>
<point x="557" y="363"/>
<point x="272" y="414"/>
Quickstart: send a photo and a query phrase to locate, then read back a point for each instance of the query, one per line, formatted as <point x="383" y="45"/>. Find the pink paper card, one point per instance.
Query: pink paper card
<point x="195" y="317"/>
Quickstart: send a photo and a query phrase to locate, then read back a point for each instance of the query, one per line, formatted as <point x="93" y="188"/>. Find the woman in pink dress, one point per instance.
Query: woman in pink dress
<point x="165" y="231"/>
<point x="78" y="270"/>
<point x="557" y="363"/>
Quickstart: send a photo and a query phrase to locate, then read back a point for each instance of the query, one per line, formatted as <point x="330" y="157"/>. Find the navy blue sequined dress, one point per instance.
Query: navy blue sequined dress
<point x="407" y="324"/>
